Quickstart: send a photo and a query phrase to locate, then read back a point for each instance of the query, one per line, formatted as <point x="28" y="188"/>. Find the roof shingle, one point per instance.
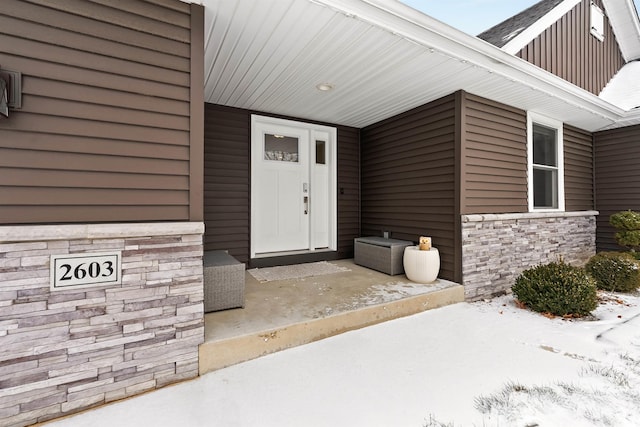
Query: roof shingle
<point x="500" y="34"/>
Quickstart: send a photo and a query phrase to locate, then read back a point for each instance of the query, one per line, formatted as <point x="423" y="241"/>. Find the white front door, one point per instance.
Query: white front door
<point x="292" y="187"/>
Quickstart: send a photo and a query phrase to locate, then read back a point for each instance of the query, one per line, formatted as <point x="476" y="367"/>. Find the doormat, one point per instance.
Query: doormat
<point x="298" y="271"/>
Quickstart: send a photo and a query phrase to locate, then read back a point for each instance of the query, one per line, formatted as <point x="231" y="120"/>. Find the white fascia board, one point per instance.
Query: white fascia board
<point x="406" y="22"/>
<point x="530" y="33"/>
<point x="631" y="118"/>
<point x="626" y="26"/>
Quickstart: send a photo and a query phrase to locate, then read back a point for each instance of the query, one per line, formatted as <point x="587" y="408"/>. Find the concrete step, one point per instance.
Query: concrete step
<point x="226" y="351"/>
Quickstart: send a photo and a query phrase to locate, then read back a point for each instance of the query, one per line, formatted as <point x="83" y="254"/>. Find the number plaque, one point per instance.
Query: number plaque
<point x="85" y="270"/>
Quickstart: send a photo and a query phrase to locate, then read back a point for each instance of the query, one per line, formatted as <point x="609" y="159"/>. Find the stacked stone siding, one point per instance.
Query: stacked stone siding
<point x="497" y="248"/>
<point x="66" y="350"/>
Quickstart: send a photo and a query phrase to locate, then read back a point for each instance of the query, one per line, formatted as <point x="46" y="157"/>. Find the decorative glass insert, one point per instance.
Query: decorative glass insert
<point x="321" y="152"/>
<point x="280" y="148"/>
<point x="545" y="167"/>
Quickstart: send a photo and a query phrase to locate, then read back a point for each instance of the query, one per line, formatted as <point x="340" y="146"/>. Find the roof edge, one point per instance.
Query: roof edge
<point x="625" y="23"/>
<point x="411" y="24"/>
<point x="630" y="118"/>
<point x="530" y="33"/>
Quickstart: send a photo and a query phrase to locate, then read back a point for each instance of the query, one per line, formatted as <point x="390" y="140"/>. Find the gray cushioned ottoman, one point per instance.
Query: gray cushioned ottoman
<point x="223" y="281"/>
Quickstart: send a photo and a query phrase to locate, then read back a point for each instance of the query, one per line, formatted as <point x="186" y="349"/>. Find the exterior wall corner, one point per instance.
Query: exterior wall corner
<point x="85" y="346"/>
<point x="497" y="248"/>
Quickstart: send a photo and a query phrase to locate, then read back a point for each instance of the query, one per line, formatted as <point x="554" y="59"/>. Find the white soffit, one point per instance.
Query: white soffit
<point x="382" y="58"/>
<point x="626" y="26"/>
<point x="527" y="35"/>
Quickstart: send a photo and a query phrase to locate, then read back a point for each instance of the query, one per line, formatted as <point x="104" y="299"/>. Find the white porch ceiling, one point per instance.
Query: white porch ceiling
<point x="382" y="57"/>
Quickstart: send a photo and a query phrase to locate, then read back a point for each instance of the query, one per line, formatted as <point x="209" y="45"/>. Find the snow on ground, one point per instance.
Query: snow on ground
<point x="479" y="364"/>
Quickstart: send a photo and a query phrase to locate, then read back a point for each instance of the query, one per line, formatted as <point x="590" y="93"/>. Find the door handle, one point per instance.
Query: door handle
<point x="306" y="204"/>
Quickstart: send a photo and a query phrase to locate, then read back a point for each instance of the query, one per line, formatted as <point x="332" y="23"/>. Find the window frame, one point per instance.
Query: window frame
<point x="533" y="118"/>
<point x="596" y="21"/>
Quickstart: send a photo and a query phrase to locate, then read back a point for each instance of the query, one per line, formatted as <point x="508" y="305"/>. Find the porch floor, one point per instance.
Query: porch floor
<point x="286" y="313"/>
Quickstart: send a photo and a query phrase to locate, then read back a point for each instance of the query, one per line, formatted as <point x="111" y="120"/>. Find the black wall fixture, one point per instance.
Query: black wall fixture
<point x="10" y="91"/>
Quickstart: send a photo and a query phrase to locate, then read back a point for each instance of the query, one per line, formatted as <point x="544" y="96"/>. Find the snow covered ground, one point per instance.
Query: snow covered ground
<point x="479" y="364"/>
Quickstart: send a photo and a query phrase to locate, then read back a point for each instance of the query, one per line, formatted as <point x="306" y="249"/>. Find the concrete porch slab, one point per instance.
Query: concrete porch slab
<point x="287" y="313"/>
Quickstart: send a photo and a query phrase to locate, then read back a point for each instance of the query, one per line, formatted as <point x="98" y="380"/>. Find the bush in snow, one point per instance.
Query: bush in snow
<point x="614" y="271"/>
<point x="628" y="225"/>
<point x="557" y="288"/>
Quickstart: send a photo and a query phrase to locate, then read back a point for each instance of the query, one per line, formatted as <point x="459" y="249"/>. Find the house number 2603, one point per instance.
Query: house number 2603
<point x="83" y="270"/>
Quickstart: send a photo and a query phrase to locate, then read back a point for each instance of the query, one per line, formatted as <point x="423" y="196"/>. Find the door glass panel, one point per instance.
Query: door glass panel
<point x="320" y="152"/>
<point x="280" y="148"/>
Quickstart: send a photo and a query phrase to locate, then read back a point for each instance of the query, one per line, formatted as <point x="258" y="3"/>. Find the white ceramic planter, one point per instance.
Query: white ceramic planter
<point x="421" y="266"/>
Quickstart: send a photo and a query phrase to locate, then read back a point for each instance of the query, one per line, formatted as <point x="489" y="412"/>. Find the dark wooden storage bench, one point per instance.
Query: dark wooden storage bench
<point x="223" y="281"/>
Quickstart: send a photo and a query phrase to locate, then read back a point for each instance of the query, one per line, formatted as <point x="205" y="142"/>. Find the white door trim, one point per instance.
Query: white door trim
<point x="331" y="184"/>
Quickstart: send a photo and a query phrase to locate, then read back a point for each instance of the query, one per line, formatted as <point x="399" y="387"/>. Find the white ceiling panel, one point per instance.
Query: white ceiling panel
<point x="382" y="58"/>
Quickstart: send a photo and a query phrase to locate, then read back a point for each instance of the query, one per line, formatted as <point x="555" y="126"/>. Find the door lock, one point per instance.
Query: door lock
<point x="306" y="205"/>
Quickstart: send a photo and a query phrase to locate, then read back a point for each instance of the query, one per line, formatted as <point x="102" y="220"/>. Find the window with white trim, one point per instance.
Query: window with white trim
<point x="545" y="163"/>
<point x="597" y="22"/>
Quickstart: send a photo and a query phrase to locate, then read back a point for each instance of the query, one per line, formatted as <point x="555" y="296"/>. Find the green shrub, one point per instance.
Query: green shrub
<point x="625" y="220"/>
<point x="628" y="238"/>
<point x="628" y="225"/>
<point x="557" y="288"/>
<point x="615" y="271"/>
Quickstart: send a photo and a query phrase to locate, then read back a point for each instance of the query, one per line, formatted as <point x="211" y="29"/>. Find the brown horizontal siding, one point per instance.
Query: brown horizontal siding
<point x="568" y="50"/>
<point x="578" y="169"/>
<point x="41" y="161"/>
<point x="52" y="122"/>
<point x="98" y="213"/>
<point x="227" y="193"/>
<point x="617" y="155"/>
<point x="101" y="25"/>
<point x="157" y="20"/>
<point x="105" y="64"/>
<point x="408" y="178"/>
<point x="101" y="96"/>
<point x="348" y="189"/>
<point x="69" y="179"/>
<point x="95" y="78"/>
<point x="171" y="13"/>
<point x="37" y="196"/>
<point x="104" y="132"/>
<point x="227" y="174"/>
<point x="494" y="157"/>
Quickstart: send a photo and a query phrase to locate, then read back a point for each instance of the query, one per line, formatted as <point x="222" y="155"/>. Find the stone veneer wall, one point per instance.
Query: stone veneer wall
<point x="64" y="351"/>
<point x="497" y="248"/>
